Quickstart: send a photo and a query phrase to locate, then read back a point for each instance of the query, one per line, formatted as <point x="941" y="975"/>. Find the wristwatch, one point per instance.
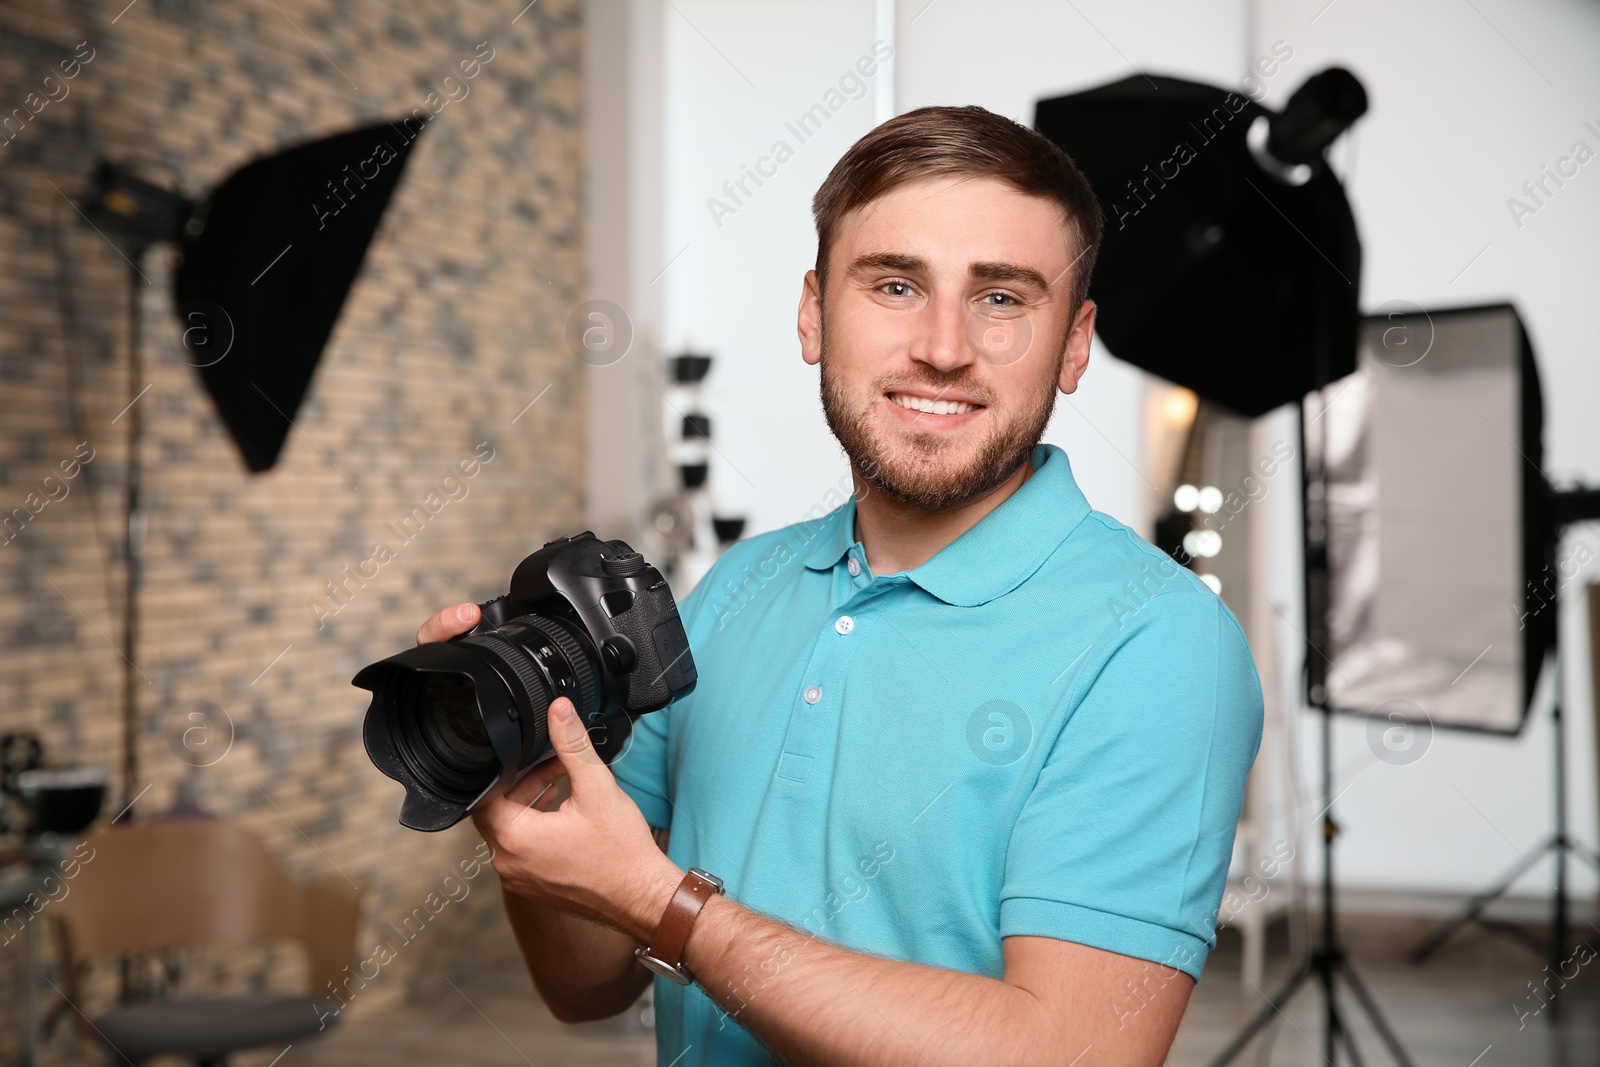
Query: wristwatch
<point x="665" y="952"/>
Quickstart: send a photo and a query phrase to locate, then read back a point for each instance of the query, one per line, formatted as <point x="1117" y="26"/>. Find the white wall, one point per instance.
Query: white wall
<point x="736" y="74"/>
<point x="1460" y="118"/>
<point x="623" y="232"/>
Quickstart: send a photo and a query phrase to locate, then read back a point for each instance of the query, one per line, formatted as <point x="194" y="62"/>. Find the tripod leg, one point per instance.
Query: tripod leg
<point x="1350" y="1046"/>
<point x="1511" y="932"/>
<point x="1584" y="853"/>
<point x="1274" y="1006"/>
<point x="1445" y="930"/>
<point x="1333" y="1031"/>
<point x="1379" y="1023"/>
<point x="1558" y="917"/>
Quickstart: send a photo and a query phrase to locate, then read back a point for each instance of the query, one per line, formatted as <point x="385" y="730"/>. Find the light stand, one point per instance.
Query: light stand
<point x="1566" y="507"/>
<point x="141" y="214"/>
<point x="133" y="556"/>
<point x="1327" y="962"/>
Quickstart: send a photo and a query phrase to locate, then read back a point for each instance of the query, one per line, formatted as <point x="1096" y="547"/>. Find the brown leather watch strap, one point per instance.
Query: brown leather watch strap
<point x="672" y="933"/>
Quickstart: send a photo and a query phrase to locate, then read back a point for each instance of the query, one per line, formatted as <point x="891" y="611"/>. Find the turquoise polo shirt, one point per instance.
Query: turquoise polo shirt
<point x="1043" y="730"/>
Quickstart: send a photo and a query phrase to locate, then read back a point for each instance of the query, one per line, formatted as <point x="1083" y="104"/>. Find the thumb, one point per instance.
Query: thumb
<point x="570" y="739"/>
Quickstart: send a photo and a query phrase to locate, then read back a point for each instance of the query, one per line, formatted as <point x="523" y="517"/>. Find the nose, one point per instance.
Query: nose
<point x="942" y="342"/>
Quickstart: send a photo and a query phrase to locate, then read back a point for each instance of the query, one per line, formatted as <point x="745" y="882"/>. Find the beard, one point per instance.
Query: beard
<point x="928" y="471"/>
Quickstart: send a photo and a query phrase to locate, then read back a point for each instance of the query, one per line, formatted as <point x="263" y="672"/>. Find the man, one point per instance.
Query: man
<point x="967" y="755"/>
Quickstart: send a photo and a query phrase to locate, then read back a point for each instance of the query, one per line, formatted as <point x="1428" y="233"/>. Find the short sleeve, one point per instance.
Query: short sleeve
<point x="642" y="769"/>
<point x="1124" y="842"/>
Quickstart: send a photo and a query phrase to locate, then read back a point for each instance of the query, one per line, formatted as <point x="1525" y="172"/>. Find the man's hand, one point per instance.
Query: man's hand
<point x="583" y="971"/>
<point x="593" y="855"/>
<point x="451" y="622"/>
<point x="567" y="836"/>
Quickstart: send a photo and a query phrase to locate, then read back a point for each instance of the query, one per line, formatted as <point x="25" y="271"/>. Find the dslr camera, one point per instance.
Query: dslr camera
<point x="457" y="722"/>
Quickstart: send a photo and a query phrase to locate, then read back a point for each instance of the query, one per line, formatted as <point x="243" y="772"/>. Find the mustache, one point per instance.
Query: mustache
<point x="961" y="381"/>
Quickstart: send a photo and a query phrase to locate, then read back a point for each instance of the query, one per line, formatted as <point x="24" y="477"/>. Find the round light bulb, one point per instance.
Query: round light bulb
<point x="1179" y="407"/>
<point x="1186" y="497"/>
<point x="1213" y="583"/>
<point x="1209" y="499"/>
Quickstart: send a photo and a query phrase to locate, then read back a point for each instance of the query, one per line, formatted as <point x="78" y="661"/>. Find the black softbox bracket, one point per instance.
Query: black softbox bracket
<point x="1193" y="224"/>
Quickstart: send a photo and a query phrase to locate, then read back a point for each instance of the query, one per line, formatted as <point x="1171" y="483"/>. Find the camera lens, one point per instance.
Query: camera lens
<point x="548" y="659"/>
<point x="450" y="719"/>
<point x="447" y="743"/>
<point x="457" y="713"/>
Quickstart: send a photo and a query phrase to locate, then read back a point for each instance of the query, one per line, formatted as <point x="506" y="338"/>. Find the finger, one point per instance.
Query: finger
<point x="553" y="796"/>
<point x="449" y="623"/>
<point x="544" y="788"/>
<point x="537" y="781"/>
<point x="573" y="748"/>
<point x="497" y="815"/>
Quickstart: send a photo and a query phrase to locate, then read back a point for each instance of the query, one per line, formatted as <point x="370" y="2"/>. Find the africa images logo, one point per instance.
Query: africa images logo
<point x="999" y="733"/>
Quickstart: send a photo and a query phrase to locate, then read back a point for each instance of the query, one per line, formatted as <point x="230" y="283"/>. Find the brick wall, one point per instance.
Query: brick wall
<point x="455" y="325"/>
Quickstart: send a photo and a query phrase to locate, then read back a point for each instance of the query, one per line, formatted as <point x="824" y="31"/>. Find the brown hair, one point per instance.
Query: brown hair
<point x="967" y="142"/>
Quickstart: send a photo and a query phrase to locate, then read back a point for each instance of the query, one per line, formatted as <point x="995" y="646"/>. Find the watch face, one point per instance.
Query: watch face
<point x="664" y="969"/>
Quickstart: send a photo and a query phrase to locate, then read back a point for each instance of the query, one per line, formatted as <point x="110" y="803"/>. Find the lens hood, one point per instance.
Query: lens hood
<point x="436" y="799"/>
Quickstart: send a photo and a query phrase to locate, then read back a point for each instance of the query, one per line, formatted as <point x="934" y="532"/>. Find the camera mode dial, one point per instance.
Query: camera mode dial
<point x="624" y="563"/>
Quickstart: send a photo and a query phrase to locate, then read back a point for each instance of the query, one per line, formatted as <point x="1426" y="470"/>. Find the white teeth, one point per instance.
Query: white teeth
<point x="932" y="407"/>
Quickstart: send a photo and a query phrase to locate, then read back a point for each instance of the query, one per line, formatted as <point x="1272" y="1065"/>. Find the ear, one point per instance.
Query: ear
<point x="810" y="319"/>
<point x="1075" y="360"/>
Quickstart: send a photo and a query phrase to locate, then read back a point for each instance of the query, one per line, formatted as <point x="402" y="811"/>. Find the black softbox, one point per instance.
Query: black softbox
<point x="1193" y="224"/>
<point x="261" y="286"/>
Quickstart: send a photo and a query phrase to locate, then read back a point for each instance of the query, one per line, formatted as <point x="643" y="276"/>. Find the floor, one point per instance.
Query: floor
<point x="1460" y="1009"/>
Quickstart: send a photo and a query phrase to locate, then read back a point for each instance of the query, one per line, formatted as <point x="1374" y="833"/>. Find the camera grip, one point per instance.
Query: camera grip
<point x="665" y="669"/>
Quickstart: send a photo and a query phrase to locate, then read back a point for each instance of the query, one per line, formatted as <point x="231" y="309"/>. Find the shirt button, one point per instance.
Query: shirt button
<point x="813" y="693"/>
<point x="853" y="567"/>
<point x="844" y="624"/>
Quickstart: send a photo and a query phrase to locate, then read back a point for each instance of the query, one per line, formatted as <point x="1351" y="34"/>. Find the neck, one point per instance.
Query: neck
<point x="899" y="537"/>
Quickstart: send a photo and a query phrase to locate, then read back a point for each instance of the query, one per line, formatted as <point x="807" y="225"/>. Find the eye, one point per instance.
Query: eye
<point x="998" y="300"/>
<point x="898" y="289"/>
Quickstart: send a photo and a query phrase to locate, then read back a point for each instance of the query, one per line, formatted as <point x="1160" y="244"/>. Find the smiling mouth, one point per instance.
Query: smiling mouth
<point x="931" y="407"/>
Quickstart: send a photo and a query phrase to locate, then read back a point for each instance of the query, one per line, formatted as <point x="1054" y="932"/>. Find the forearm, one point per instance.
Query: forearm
<point x="812" y="1002"/>
<point x="581" y="969"/>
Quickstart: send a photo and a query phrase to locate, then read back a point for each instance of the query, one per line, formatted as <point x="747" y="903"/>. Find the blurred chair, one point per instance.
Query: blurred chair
<point x="196" y="883"/>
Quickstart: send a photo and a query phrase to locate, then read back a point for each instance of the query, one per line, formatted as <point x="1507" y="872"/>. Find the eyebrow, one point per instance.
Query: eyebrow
<point x="872" y="261"/>
<point x="1010" y="272"/>
<point x="997" y="272"/>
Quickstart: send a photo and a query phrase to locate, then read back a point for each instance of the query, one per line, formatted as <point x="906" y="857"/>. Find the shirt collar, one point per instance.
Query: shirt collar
<point x="831" y="536"/>
<point x="1002" y="550"/>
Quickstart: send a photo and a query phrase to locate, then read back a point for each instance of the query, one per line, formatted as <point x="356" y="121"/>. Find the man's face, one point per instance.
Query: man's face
<point x="944" y="334"/>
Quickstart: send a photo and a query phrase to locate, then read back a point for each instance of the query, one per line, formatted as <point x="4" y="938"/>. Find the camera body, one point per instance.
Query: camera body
<point x="460" y="721"/>
<point x="624" y="606"/>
